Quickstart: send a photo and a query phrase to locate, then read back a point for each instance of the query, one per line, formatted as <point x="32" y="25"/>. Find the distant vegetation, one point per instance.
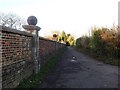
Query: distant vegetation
<point x="103" y="42"/>
<point x="62" y="37"/>
<point x="11" y="20"/>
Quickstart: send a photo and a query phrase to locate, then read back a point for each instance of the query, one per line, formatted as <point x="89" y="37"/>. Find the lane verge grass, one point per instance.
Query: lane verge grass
<point x="37" y="79"/>
<point x="105" y="59"/>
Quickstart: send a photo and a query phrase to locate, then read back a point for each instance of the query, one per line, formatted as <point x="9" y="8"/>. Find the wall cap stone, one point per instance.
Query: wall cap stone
<point x="8" y="29"/>
<point x="31" y="27"/>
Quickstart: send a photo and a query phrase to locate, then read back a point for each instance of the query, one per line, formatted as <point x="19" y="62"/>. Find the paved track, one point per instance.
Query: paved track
<point x="76" y="70"/>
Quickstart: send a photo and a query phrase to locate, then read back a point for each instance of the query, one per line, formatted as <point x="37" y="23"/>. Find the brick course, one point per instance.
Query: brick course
<point x="17" y="56"/>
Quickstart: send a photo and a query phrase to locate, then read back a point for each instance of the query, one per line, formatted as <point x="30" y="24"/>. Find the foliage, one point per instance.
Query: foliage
<point x="59" y="39"/>
<point x="97" y="44"/>
<point x="11" y="20"/>
<point x="103" y="42"/>
<point x="70" y="40"/>
<point x="103" y="58"/>
<point x="62" y="37"/>
<point x="83" y="42"/>
<point x="78" y="42"/>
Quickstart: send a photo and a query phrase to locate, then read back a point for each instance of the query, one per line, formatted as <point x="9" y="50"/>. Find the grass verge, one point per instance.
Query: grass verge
<point x="105" y="59"/>
<point x="36" y="79"/>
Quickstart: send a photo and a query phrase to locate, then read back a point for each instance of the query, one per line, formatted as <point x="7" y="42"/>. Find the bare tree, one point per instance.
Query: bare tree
<point x="11" y="20"/>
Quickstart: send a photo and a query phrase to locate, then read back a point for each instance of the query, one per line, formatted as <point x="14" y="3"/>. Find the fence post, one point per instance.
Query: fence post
<point x="33" y="29"/>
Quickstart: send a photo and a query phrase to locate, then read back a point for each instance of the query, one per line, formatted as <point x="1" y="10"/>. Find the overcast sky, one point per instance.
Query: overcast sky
<point x="73" y="16"/>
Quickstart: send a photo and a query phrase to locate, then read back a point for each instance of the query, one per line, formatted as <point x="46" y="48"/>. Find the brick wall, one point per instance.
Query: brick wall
<point x="17" y="56"/>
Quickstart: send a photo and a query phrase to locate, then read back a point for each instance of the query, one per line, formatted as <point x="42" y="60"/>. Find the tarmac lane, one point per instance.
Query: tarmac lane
<point x="76" y="70"/>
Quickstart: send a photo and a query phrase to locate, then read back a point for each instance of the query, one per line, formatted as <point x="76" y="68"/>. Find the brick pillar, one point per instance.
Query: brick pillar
<point x="32" y="21"/>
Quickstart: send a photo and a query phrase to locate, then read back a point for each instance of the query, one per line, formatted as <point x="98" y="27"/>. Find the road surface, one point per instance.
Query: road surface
<point x="76" y="70"/>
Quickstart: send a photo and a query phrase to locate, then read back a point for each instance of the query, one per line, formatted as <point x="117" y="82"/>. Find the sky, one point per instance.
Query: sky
<point x="72" y="16"/>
